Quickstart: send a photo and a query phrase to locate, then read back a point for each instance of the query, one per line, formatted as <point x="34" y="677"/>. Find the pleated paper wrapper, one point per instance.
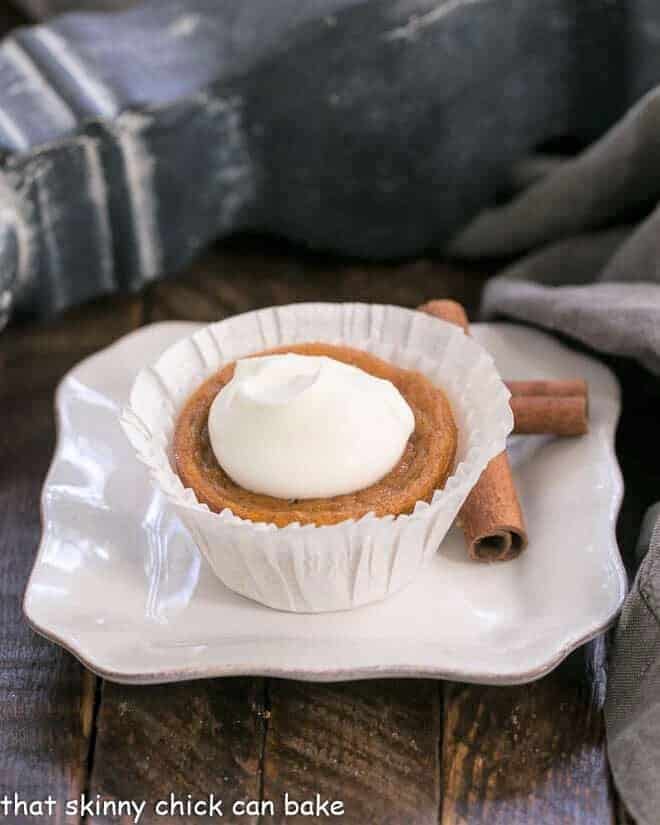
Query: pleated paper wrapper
<point x="336" y="567"/>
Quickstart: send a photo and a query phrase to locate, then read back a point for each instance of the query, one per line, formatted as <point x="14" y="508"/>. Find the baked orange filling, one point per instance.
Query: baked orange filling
<point x="426" y="463"/>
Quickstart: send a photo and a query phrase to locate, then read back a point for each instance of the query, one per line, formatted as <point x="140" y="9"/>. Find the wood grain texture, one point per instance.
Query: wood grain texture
<point x="372" y="745"/>
<point x="196" y="739"/>
<point x="533" y="753"/>
<point x="46" y="698"/>
<point x="252" y="273"/>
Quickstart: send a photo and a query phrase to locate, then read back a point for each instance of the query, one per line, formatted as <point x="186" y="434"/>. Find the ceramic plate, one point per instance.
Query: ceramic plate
<point x="119" y="583"/>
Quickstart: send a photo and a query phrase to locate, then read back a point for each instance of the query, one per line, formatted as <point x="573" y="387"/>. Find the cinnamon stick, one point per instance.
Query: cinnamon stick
<point x="556" y="407"/>
<point x="491" y="517"/>
<point x="539" y="406"/>
<point x="447" y="310"/>
<point x="564" y="388"/>
<point x="537" y="414"/>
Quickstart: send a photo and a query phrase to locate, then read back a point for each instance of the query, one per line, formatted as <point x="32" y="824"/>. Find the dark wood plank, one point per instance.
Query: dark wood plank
<point x="371" y="745"/>
<point x="533" y="753"/>
<point x="191" y="740"/>
<point x="46" y="697"/>
<point x="245" y="275"/>
<point x="196" y="738"/>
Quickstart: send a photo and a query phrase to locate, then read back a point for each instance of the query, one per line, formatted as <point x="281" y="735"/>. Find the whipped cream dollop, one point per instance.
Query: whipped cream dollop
<point x="301" y="426"/>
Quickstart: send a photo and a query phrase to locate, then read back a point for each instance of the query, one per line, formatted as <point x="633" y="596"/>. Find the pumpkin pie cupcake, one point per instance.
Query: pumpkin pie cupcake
<point x="316" y="434"/>
<point x="318" y="453"/>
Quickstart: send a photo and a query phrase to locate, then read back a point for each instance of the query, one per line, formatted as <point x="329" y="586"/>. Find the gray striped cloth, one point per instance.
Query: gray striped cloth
<point x="588" y="269"/>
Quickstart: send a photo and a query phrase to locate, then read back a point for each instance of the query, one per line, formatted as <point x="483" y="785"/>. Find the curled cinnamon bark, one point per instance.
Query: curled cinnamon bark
<point x="491" y="517"/>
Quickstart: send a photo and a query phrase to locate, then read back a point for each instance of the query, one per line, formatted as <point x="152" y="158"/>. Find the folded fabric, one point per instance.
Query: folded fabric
<point x="632" y="711"/>
<point x="591" y="270"/>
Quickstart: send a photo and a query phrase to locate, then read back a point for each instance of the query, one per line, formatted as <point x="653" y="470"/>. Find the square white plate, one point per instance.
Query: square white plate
<point x="119" y="583"/>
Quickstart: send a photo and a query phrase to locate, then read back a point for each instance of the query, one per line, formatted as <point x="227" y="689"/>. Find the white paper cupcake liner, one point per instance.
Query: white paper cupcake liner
<point x="336" y="567"/>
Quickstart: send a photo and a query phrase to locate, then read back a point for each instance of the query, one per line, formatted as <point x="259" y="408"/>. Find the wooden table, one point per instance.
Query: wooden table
<point x="394" y="751"/>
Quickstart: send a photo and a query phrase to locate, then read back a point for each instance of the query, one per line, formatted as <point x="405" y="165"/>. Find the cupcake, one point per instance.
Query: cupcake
<point x="319" y="453"/>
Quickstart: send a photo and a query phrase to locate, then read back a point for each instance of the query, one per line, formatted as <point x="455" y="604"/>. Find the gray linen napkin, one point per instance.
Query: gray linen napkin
<point x="592" y="272"/>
